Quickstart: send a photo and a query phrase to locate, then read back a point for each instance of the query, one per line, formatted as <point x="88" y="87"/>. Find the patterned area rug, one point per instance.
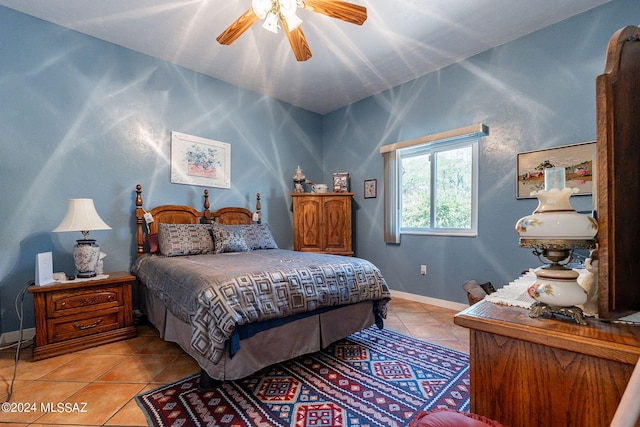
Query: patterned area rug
<point x="371" y="378"/>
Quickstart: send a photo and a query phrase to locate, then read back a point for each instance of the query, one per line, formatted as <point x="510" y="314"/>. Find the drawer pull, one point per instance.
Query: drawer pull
<point x="83" y="327"/>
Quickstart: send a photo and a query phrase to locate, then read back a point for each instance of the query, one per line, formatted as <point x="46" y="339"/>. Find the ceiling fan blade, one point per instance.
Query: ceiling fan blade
<point x="347" y="12"/>
<point x="298" y="42"/>
<point x="238" y="27"/>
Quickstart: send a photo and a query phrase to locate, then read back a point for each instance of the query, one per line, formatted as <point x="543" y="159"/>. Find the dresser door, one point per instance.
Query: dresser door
<point x="337" y="224"/>
<point x="308" y="224"/>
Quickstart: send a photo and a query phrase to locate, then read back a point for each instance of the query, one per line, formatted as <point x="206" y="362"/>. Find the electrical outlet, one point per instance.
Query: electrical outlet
<point x="423" y="269"/>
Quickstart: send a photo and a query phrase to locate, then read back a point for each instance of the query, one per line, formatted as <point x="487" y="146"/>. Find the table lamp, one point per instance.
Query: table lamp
<point x="82" y="216"/>
<point x="554" y="230"/>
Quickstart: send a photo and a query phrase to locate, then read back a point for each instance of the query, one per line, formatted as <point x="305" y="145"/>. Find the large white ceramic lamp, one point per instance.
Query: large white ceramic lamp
<point x="554" y="230"/>
<point x="82" y="216"/>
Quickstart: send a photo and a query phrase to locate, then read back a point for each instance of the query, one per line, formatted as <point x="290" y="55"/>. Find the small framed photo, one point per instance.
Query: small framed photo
<point x="341" y="182"/>
<point x="370" y="188"/>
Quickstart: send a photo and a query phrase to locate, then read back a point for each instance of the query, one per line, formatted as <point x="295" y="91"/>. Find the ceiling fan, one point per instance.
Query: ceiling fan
<point x="283" y="12"/>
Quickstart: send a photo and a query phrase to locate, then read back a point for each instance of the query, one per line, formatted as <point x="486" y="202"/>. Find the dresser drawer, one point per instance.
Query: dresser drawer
<point x="65" y="328"/>
<point x="83" y="300"/>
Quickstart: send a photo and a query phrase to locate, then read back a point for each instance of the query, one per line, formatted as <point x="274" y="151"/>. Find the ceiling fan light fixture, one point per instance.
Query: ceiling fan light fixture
<point x="261" y="7"/>
<point x="282" y="13"/>
<point x="271" y="23"/>
<point x="287" y="7"/>
<point x="293" y="21"/>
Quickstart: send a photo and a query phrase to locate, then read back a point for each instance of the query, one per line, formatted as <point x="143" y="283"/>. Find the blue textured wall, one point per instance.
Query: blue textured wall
<point x="80" y="117"/>
<point x="535" y="92"/>
<point x="83" y="118"/>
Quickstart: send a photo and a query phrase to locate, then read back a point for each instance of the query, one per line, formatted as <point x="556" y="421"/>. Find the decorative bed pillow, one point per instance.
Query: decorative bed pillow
<point x="228" y="238"/>
<point x="184" y="239"/>
<point x="258" y="236"/>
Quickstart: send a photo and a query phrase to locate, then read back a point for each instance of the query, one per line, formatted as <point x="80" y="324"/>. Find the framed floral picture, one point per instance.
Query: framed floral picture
<point x="200" y="161"/>
<point x="370" y="188"/>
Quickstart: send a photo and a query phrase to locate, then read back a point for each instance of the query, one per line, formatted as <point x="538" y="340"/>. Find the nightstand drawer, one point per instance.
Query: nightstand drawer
<point x="83" y="301"/>
<point x="77" y="326"/>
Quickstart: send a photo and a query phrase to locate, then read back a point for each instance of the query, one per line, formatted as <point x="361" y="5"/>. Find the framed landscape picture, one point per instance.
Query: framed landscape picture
<point x="577" y="159"/>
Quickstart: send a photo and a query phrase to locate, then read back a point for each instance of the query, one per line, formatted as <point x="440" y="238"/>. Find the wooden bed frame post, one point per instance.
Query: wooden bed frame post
<point x="139" y="220"/>
<point x="258" y="209"/>
<point x="207" y="212"/>
<point x="207" y="383"/>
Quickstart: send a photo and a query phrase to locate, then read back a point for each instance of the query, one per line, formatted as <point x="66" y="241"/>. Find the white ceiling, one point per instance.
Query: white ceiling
<point x="400" y="41"/>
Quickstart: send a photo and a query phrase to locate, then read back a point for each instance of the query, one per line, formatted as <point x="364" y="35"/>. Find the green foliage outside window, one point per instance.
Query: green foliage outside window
<point x="416" y="192"/>
<point x="453" y="189"/>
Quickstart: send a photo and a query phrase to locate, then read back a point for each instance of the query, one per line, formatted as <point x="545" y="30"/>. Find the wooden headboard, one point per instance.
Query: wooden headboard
<point x="181" y="214"/>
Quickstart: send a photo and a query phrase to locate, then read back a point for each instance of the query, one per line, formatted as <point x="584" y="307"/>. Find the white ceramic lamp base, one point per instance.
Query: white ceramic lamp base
<point x="86" y="254"/>
<point x="557" y="291"/>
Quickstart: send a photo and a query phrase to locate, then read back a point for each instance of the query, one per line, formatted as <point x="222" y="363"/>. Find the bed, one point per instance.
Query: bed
<point x="237" y="303"/>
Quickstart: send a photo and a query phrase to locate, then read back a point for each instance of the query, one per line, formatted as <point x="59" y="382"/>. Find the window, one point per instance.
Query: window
<point x="431" y="184"/>
<point x="438" y="188"/>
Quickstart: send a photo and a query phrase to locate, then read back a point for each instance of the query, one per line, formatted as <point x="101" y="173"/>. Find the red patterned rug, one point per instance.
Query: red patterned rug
<point x="371" y="378"/>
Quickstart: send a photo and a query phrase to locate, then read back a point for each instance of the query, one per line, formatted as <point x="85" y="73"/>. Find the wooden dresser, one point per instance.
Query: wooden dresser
<point x="322" y="223"/>
<point x="546" y="372"/>
<point x="618" y="186"/>
<point x="74" y="316"/>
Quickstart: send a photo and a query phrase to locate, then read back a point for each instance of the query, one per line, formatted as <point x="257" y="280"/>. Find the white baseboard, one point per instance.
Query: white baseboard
<point x="428" y="300"/>
<point x="13" y="336"/>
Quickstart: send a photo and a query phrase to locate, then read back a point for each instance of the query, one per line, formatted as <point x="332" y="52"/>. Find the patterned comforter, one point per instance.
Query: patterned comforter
<point x="215" y="293"/>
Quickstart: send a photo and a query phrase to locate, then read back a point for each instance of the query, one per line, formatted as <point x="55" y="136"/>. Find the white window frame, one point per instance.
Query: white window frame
<point x="392" y="154"/>
<point x="432" y="149"/>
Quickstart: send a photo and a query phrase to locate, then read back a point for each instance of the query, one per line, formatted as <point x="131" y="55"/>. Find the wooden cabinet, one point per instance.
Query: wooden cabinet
<point x="77" y="315"/>
<point x="322" y="223"/>
<point x="618" y="186"/>
<point x="547" y="372"/>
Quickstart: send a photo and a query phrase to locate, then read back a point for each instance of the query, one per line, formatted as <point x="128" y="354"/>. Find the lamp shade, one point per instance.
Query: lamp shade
<point x="81" y="216"/>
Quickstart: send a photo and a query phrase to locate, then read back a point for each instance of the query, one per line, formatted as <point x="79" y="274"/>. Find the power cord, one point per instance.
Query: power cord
<point x="20" y="314"/>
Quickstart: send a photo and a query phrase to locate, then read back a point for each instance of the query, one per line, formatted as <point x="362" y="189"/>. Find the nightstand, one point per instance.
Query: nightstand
<point x="76" y="315"/>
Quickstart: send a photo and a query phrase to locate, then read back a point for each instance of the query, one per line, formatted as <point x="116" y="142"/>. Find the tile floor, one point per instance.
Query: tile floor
<point x="108" y="377"/>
